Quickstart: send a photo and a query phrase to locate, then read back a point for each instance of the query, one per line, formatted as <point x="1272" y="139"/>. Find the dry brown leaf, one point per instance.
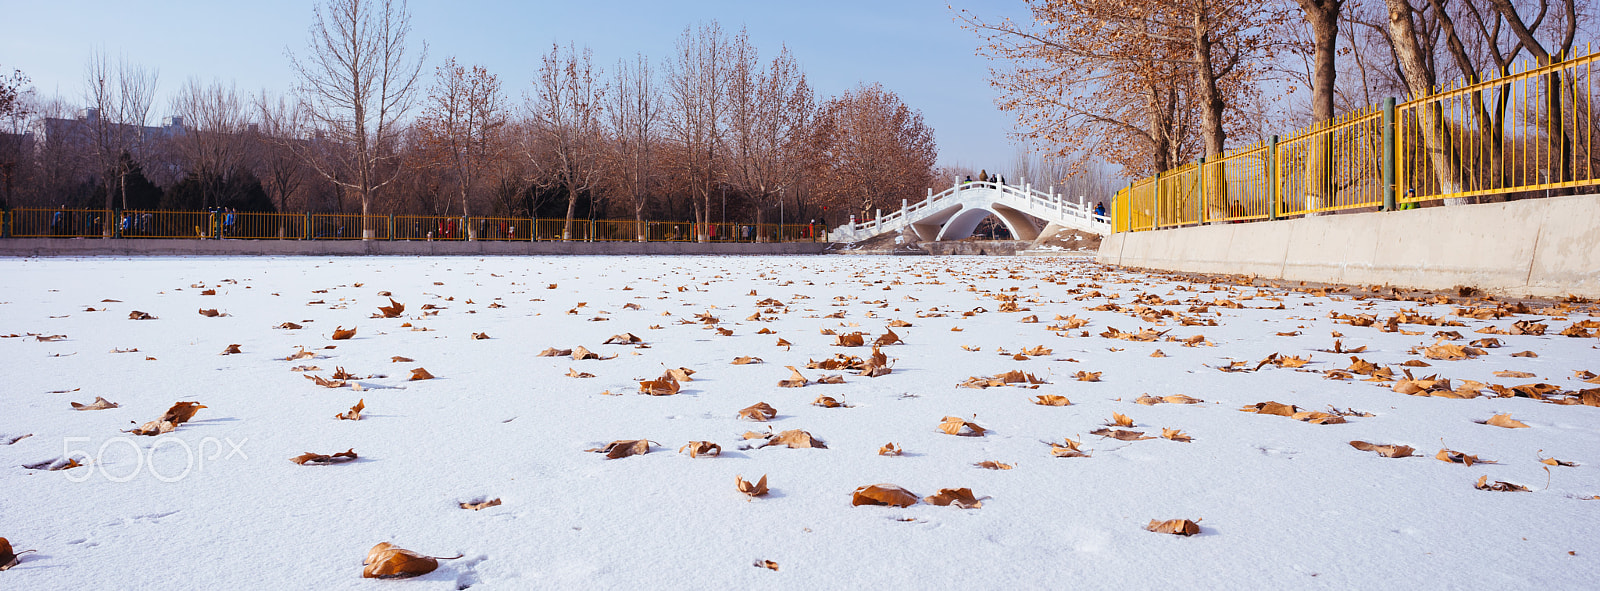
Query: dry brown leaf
<point x="1121" y="434"/>
<point x="392" y="310"/>
<point x="231" y="350"/>
<point x="899" y="324"/>
<point x="827" y="401"/>
<point x="573" y="373"/>
<point x="1556" y="462"/>
<point x="623" y="448"/>
<point x="1388" y="451"/>
<point x="340" y="334"/>
<point x="960" y="497"/>
<point x="1513" y="374"/>
<point x="795" y="379"/>
<point x="959" y="426"/>
<point x="385" y="561"/>
<point x="211" y="313"/>
<point x="758" y="489"/>
<point x="1120" y="420"/>
<point x="1525" y="354"/>
<point x="785" y="344"/>
<point x="320" y="459"/>
<point x="1051" y="400"/>
<point x="579" y="354"/>
<point x="98" y="404"/>
<point x="1505" y="420"/>
<point x="746" y="360"/>
<point x="701" y="448"/>
<point x="8" y="557"/>
<point x="354" y="414"/>
<point x="1158" y="354"/>
<point x="1182" y="527"/>
<point x="1068" y="449"/>
<point x="883" y="494"/>
<point x="554" y="352"/>
<point x="794" y="439"/>
<point x="1456" y="457"/>
<point x="993" y="465"/>
<point x="1498" y="485"/>
<point x="889" y="449"/>
<point x="767" y="564"/>
<point x="1087" y="376"/>
<point x="888" y="338"/>
<point x="1271" y="408"/>
<point x="1175" y="435"/>
<point x="180" y="413"/>
<point x="759" y="411"/>
<point x="137" y="315"/>
<point x="420" y="374"/>
<point x="480" y="336"/>
<point x="854" y="339"/>
<point x="666" y="386"/>
<point x="481" y="505"/>
<point x="399" y="359"/>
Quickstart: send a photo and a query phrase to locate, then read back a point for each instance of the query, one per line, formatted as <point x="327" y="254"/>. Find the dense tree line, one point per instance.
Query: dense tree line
<point x="715" y="131"/>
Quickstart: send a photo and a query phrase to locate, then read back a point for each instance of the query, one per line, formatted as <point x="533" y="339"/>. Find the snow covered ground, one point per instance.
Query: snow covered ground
<point x="1281" y="503"/>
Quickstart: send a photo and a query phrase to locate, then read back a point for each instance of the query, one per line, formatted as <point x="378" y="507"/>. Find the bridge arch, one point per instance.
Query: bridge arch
<point x="955" y="214"/>
<point x="964" y="222"/>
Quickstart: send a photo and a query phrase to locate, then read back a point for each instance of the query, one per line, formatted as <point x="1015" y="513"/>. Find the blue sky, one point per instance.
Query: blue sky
<point x="912" y="46"/>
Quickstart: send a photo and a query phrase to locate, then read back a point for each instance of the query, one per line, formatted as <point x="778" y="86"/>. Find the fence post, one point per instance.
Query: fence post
<point x="1388" y="154"/>
<point x="391" y="227"/>
<point x="1272" y="178"/>
<point x="116" y="223"/>
<point x="1155" y="214"/>
<point x="466" y="228"/>
<point x="5" y="224"/>
<point x="310" y="232"/>
<point x="1200" y="191"/>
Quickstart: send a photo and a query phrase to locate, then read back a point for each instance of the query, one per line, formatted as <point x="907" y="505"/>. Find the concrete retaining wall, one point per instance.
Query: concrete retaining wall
<point x="152" y="247"/>
<point x="1535" y="248"/>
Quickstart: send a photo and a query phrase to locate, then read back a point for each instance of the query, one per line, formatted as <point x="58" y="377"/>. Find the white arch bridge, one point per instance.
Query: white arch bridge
<point x="956" y="213"/>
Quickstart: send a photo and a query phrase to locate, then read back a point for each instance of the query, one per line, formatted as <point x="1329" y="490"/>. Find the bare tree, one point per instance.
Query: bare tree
<point x="281" y="170"/>
<point x="460" y="127"/>
<point x="356" y="83"/>
<point x="15" y="107"/>
<point x="634" y="109"/>
<point x="697" y="86"/>
<point x="214" y="141"/>
<point x="768" y="108"/>
<point x="118" y="101"/>
<point x="566" y="108"/>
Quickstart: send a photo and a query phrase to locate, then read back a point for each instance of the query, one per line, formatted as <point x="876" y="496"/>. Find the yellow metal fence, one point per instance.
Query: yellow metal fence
<point x="1530" y="133"/>
<point x="92" y="223"/>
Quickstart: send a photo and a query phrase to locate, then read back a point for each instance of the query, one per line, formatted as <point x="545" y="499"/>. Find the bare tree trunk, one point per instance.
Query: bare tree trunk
<point x="1435" y="138"/>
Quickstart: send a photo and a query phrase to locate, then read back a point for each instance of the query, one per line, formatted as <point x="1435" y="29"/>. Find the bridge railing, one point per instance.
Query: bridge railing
<point x="1021" y="196"/>
<point x="1525" y="134"/>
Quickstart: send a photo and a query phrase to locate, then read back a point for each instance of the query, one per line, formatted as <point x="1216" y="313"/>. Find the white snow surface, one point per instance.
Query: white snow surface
<point x="1282" y="504"/>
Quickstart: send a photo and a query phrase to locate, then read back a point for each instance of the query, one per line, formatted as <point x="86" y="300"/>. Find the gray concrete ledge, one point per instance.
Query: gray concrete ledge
<point x="70" y="247"/>
<point x="1542" y="248"/>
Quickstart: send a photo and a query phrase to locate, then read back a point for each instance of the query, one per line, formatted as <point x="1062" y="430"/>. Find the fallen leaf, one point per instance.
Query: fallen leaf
<point x="393" y="310"/>
<point x="137" y="315"/>
<point x="623" y="448"/>
<point x="399" y="359"/>
<point x="480" y="336"/>
<point x="1121" y="434"/>
<point x="883" y="494"/>
<point x="1498" y="485"/>
<point x="746" y="360"/>
<point x="1175" y="435"/>
<point x="354" y="414"/>
<point x="420" y="374"/>
<point x="231" y="350"/>
<point x="795" y="379"/>
<point x="783" y="343"/>
<point x="9" y="558"/>
<point x="1513" y="374"/>
<point x="993" y="465"/>
<point x="1120" y="420"/>
<point x="889" y="449"/>
<point x="320" y="459"/>
<point x="759" y="411"/>
<point x="1505" y="420"/>
<point x="888" y="338"/>
<point x="98" y="404"/>
<point x="1087" y="376"/>
<point x="795" y="439"/>
<point x="385" y="561"/>
<point x="180" y="413"/>
<point x="1182" y="527"/>
<point x="828" y="401"/>
<point x="767" y="564"/>
<point x="1456" y="457"/>
<point x="340" y="334"/>
<point x="626" y="338"/>
<point x="1051" y="400"/>
<point x="573" y="373"/>
<point x="1067" y="449"/>
<point x="960" y="497"/>
<point x="699" y="448"/>
<point x="1388" y="451"/>
<point x="758" y="489"/>
<point x="481" y="505"/>
<point x="666" y="386"/>
<point x="554" y="352"/>
<point x="959" y="426"/>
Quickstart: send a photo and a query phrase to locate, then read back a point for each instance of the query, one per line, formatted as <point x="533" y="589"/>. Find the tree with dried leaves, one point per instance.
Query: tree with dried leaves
<point x="769" y="110"/>
<point x="872" y="151"/>
<point x="213" y="142"/>
<point x="697" y="89"/>
<point x="281" y="123"/>
<point x="634" y="108"/>
<point x="566" y="107"/>
<point x="461" y="125"/>
<point x="356" y="82"/>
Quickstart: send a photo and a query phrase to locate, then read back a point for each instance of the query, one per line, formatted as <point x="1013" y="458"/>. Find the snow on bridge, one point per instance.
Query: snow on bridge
<point x="955" y="214"/>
